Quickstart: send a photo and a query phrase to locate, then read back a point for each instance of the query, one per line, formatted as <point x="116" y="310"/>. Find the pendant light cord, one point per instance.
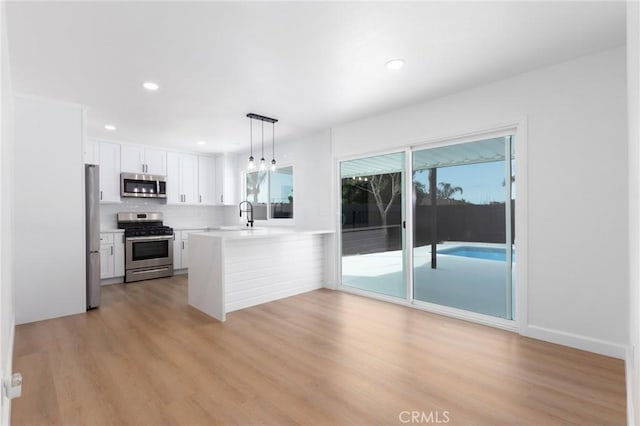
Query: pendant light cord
<point x="251" y="135"/>
<point x="262" y="140"/>
<point x="273" y="141"/>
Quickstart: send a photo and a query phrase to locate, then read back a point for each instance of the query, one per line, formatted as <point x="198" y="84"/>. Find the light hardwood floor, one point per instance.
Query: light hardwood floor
<point x="322" y="358"/>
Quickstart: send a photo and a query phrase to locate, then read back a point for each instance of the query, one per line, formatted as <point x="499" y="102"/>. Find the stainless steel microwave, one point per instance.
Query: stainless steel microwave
<point x="143" y="185"/>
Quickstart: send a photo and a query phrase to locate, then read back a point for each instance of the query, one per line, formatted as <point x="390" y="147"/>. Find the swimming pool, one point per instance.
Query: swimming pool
<point x="487" y="253"/>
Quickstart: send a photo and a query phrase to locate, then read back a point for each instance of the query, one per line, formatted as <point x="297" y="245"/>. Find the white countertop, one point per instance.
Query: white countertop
<point x="193" y="228"/>
<point x="242" y="233"/>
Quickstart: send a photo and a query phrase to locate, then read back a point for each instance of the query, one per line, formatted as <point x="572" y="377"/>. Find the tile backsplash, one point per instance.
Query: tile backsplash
<point x="179" y="217"/>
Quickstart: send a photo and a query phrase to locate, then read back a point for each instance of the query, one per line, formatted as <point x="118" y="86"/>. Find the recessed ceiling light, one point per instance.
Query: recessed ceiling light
<point x="110" y="127"/>
<point x="150" y="85"/>
<point x="201" y="143"/>
<point x="395" y="64"/>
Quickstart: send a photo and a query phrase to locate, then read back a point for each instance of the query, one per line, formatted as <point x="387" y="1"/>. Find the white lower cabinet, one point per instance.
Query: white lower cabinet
<point x="111" y="254"/>
<point x="118" y="249"/>
<point x="185" y="253"/>
<point x="177" y="251"/>
<point x="107" y="255"/>
<point x="181" y="248"/>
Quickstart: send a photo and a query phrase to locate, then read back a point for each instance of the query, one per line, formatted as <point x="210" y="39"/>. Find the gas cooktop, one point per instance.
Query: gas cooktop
<point x="148" y="231"/>
<point x="143" y="225"/>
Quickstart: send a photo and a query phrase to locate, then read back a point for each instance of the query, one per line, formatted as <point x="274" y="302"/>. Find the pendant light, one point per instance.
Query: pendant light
<point x="262" y="165"/>
<point x="273" y="122"/>
<point x="251" y="165"/>
<point x="273" y="147"/>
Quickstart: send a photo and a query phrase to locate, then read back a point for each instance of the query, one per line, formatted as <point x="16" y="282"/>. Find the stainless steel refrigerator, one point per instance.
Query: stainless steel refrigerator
<point x="92" y="219"/>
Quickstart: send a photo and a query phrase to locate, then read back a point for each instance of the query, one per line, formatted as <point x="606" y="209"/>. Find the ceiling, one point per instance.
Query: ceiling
<point x="310" y="65"/>
<point x="481" y="151"/>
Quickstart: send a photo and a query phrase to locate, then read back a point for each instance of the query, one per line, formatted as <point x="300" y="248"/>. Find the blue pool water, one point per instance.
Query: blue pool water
<point x="488" y="253"/>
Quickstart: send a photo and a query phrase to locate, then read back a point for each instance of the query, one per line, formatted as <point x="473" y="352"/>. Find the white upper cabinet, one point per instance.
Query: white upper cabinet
<point x="189" y="178"/>
<point x="132" y="158"/>
<point x="206" y="180"/>
<point x="142" y="159"/>
<point x="90" y="152"/>
<point x="155" y="161"/>
<point x="109" y="166"/>
<point x="182" y="178"/>
<point x="226" y="180"/>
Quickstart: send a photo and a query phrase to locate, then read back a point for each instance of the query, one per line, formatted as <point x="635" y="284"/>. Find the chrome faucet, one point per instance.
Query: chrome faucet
<point x="249" y="211"/>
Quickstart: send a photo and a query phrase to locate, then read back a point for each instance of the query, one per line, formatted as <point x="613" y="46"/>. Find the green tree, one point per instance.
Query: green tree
<point x="446" y="191"/>
<point x="254" y="181"/>
<point x="385" y="189"/>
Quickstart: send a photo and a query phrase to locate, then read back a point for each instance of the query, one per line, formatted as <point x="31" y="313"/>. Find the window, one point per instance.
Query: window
<point x="271" y="193"/>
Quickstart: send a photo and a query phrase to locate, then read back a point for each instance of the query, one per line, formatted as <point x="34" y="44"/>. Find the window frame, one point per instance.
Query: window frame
<point x="270" y="220"/>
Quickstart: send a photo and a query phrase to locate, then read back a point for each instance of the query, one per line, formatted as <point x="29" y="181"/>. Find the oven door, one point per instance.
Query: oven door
<point x="145" y="252"/>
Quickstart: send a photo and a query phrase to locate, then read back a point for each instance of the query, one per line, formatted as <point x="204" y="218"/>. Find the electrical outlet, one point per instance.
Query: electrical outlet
<point x="13" y="386"/>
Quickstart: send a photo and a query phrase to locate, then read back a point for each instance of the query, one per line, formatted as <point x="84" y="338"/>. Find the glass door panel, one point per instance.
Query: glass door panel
<point x="461" y="258"/>
<point x="372" y="224"/>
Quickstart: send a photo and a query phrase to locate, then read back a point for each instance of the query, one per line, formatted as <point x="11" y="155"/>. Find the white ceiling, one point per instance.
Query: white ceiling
<point x="311" y="65"/>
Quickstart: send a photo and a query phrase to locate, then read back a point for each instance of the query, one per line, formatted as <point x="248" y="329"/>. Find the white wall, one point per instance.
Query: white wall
<point x="577" y="186"/>
<point x="7" y="316"/>
<point x="633" y="90"/>
<point x="312" y="178"/>
<point x="48" y="210"/>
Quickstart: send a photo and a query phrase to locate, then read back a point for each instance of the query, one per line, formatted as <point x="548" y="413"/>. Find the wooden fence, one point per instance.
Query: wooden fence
<point x="362" y="230"/>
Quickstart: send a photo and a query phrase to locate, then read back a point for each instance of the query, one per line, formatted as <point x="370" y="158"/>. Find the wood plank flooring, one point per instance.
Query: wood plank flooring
<point x="322" y="358"/>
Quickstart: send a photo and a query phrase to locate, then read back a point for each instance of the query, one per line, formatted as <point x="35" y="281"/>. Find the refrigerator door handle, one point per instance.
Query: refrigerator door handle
<point x="93" y="195"/>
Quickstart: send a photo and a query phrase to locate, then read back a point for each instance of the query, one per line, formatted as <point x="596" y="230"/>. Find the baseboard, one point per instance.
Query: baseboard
<point x="602" y="347"/>
<point x="8" y="371"/>
<point x="628" y="369"/>
<point x="184" y="271"/>
<point x="109" y="281"/>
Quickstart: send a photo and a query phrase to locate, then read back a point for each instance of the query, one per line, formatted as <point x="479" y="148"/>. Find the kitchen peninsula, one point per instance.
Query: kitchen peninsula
<point x="234" y="268"/>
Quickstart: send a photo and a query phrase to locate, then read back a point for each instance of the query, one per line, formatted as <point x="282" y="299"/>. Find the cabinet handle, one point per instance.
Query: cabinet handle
<point x="123" y="240"/>
<point x="174" y="236"/>
<point x="111" y="250"/>
<point x="100" y="195"/>
<point x="201" y="198"/>
<point x="221" y="199"/>
<point x="183" y="245"/>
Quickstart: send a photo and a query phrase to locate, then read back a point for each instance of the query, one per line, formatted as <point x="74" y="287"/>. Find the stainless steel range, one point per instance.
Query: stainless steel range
<point x="148" y="246"/>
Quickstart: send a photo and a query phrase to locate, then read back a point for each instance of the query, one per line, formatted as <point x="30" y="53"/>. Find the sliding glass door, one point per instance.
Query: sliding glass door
<point x="372" y="224"/>
<point x="463" y="233"/>
<point x="462" y="251"/>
